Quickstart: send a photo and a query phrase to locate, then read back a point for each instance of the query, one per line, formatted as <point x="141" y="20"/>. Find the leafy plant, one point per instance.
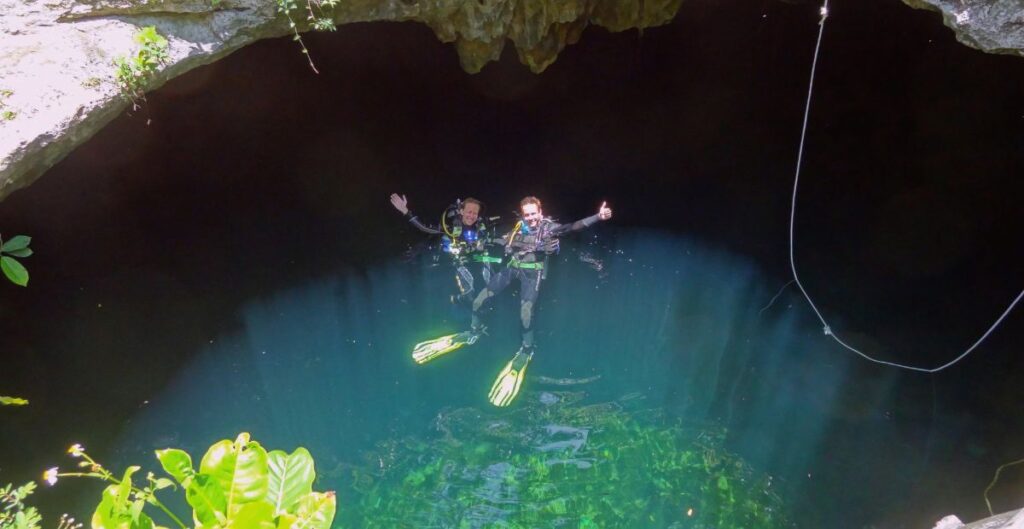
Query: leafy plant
<point x="317" y="16"/>
<point x="5" y="113"/>
<point x="15" y="514"/>
<point x="16" y="246"/>
<point x="134" y="72"/>
<point x="238" y="485"/>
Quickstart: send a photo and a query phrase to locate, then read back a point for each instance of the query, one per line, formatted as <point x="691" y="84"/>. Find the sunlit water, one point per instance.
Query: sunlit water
<point x="679" y="331"/>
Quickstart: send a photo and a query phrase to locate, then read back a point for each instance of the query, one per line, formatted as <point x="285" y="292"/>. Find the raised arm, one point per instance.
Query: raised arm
<point x="402" y="205"/>
<point x="603" y="213"/>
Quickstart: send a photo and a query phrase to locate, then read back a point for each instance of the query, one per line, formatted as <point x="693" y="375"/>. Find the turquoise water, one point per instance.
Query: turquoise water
<point x="677" y="330"/>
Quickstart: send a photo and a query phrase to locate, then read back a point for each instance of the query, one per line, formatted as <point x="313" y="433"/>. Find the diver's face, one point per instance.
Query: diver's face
<point x="531" y="214"/>
<point x="470" y="213"/>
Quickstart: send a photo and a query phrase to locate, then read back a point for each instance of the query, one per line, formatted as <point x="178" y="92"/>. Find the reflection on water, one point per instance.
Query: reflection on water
<point x="328" y="366"/>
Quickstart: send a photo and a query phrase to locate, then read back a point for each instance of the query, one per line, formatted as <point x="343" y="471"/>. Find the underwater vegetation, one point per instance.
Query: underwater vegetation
<point x="553" y="462"/>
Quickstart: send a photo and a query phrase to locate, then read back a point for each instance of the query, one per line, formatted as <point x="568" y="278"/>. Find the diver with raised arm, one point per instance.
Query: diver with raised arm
<point x="464" y="237"/>
<point x="527" y="248"/>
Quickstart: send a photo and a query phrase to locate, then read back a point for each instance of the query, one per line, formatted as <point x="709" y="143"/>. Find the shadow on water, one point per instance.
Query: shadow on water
<point x="327" y="366"/>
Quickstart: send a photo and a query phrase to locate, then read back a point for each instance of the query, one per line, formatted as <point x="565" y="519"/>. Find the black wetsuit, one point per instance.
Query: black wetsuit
<point x="527" y="255"/>
<point x="468" y="251"/>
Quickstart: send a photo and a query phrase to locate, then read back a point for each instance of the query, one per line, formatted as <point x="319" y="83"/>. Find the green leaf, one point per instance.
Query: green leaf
<point x="147" y="34"/>
<point x="254" y="515"/>
<point x="286" y="521"/>
<point x="177" y="464"/>
<point x="12" y="401"/>
<point x="105" y="516"/>
<point x="290" y="478"/>
<point x="17" y="242"/>
<point x="24" y="252"/>
<point x="162" y="483"/>
<point x="14" y="270"/>
<point x="316" y="511"/>
<point x="144" y="522"/>
<point x="135" y="511"/>
<point x="239" y="468"/>
<point x="206" y="499"/>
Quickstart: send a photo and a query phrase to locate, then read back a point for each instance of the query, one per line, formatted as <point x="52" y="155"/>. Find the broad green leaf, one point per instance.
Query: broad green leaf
<point x="206" y="499"/>
<point x="315" y="511"/>
<point x="18" y="242"/>
<point x="124" y="490"/>
<point x="147" y="34"/>
<point x="254" y="515"/>
<point x="239" y="468"/>
<point x="12" y="401"/>
<point x="105" y="516"/>
<point x="177" y="464"/>
<point x="135" y="510"/>
<point x="290" y="478"/>
<point x="286" y="521"/>
<point x="24" y="252"/>
<point x="137" y="518"/>
<point x="142" y="522"/>
<point x="14" y="270"/>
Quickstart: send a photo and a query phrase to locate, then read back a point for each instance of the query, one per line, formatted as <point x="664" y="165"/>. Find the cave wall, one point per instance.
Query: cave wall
<point x="57" y="85"/>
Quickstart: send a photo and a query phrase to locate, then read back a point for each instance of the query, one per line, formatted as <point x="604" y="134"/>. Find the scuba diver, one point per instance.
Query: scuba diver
<point x="527" y="247"/>
<point x="464" y="237"/>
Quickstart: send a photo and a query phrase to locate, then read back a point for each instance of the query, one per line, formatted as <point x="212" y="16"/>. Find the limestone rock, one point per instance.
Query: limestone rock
<point x="57" y="83"/>
<point x="993" y="26"/>
<point x="949" y="522"/>
<point x="56" y="56"/>
<point x="56" y="66"/>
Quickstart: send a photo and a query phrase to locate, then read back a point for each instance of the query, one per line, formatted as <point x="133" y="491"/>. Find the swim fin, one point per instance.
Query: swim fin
<point x="506" y="386"/>
<point x="431" y="349"/>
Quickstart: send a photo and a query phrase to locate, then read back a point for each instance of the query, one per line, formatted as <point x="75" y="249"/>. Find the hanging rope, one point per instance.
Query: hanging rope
<point x="792" y="223"/>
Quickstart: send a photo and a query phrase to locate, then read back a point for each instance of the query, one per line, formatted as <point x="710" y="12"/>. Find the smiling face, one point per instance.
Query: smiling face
<point x="470" y="212"/>
<point x="532" y="214"/>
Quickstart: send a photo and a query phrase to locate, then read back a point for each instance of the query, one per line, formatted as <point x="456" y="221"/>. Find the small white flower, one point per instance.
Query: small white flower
<point x="76" y="450"/>
<point x="50" y="476"/>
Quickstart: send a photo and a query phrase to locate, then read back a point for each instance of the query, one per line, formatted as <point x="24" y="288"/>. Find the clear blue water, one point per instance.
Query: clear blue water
<point x="226" y="260"/>
<point x="681" y="326"/>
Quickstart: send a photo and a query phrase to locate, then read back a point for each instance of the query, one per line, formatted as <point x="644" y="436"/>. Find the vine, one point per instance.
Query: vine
<point x="317" y="16"/>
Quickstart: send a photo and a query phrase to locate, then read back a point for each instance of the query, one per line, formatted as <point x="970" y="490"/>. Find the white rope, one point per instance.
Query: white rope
<point x="792" y="223"/>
